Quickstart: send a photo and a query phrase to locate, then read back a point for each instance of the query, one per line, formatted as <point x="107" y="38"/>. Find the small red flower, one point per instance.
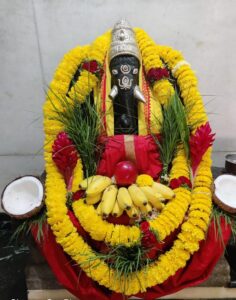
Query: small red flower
<point x="185" y="180"/>
<point x="149" y="239"/>
<point x="177" y="182"/>
<point x="78" y="195"/>
<point x="93" y="67"/>
<point x="155" y="74"/>
<point x="144" y="226"/>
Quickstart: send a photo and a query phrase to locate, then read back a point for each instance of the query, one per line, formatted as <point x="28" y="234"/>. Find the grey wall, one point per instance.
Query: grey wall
<point x="34" y="35"/>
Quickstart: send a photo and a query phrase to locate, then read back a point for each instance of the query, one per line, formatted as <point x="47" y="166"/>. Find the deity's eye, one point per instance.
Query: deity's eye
<point x="135" y="71"/>
<point x="114" y="72"/>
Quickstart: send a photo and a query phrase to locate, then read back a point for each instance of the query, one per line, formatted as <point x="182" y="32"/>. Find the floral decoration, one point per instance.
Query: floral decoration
<point x="193" y="201"/>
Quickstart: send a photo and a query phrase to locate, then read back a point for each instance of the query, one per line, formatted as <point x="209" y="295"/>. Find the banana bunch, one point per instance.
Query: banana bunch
<point x="134" y="200"/>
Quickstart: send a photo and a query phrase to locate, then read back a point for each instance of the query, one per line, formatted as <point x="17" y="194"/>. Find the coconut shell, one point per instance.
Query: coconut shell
<point x="221" y="204"/>
<point x="30" y="213"/>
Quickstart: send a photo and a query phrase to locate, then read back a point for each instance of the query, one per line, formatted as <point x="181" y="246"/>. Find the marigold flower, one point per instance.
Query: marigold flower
<point x="144" y="180"/>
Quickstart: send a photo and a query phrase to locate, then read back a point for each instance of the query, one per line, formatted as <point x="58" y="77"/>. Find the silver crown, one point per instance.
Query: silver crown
<point x="123" y="41"/>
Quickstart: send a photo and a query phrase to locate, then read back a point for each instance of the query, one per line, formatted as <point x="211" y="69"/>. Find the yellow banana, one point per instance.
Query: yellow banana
<point x="99" y="211"/>
<point x="166" y="192"/>
<point x="124" y="199"/>
<point x="133" y="212"/>
<point x="93" y="199"/>
<point x="153" y="198"/>
<point x="108" y="200"/>
<point x="147" y="209"/>
<point x="86" y="182"/>
<point x="97" y="186"/>
<point x="117" y="211"/>
<point x="137" y="195"/>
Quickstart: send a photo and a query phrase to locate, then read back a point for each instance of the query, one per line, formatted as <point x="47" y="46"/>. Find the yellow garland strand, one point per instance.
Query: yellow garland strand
<point x="88" y="81"/>
<point x="188" y="85"/>
<point x="192" y="231"/>
<point x="162" y="89"/>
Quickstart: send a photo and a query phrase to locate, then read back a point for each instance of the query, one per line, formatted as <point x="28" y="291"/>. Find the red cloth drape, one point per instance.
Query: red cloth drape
<point x="147" y="157"/>
<point x="78" y="283"/>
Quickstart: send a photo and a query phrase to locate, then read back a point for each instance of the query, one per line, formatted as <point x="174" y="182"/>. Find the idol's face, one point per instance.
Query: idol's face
<point x="124" y="73"/>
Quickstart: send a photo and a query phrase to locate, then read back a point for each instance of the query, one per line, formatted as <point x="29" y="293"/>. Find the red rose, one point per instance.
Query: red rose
<point x="145" y="226"/>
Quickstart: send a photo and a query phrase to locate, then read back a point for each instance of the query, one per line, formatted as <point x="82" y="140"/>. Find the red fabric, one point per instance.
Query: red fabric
<point x="147" y="156"/>
<point x="78" y="283"/>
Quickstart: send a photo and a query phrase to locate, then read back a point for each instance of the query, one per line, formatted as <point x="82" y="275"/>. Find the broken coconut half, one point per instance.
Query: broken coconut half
<point x="225" y="192"/>
<point x="23" y="197"/>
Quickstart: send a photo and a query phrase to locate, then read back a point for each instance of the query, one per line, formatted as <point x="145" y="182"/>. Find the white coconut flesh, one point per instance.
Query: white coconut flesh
<point x="225" y="189"/>
<point x="23" y="195"/>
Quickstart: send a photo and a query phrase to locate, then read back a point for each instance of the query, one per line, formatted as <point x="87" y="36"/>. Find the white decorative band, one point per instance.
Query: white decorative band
<point x="178" y="65"/>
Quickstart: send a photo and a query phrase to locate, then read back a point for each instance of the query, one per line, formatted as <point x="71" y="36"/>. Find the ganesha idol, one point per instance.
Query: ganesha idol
<point x="128" y="188"/>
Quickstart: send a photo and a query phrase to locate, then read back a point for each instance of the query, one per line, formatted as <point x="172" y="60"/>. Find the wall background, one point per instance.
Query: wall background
<point x="34" y="35"/>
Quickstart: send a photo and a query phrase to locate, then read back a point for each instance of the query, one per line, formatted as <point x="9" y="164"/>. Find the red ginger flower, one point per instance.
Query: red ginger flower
<point x="65" y="156"/>
<point x="199" y="143"/>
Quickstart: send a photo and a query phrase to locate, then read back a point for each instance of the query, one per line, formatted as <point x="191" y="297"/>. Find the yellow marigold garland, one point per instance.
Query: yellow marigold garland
<point x="192" y="231"/>
<point x="87" y="81"/>
<point x="187" y="83"/>
<point x="162" y="89"/>
<point x="166" y="265"/>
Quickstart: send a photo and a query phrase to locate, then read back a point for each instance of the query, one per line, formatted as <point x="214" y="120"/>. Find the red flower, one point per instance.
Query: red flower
<point x="149" y="239"/>
<point x="185" y="180"/>
<point x="93" y="67"/>
<point x="78" y="195"/>
<point x="199" y="143"/>
<point x="145" y="226"/>
<point x="155" y="74"/>
<point x="65" y="156"/>
<point x="177" y="182"/>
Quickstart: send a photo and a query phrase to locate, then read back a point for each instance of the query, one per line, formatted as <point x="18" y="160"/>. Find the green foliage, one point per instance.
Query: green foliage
<point x="82" y="123"/>
<point x="230" y="219"/>
<point x="124" y="261"/>
<point x="174" y="130"/>
<point x="24" y="227"/>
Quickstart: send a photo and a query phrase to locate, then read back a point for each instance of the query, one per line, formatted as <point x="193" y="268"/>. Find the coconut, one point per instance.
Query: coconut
<point x="225" y="192"/>
<point x="23" y="197"/>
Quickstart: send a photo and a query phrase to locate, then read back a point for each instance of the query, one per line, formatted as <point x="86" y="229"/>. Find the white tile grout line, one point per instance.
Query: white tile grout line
<point x="188" y="293"/>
